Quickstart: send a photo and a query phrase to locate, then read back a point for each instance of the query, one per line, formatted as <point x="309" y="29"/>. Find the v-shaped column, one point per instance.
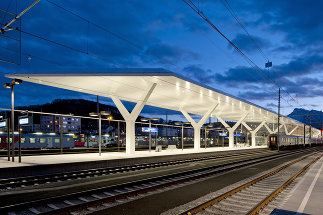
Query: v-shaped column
<point x="253" y="132"/>
<point x="130" y="118"/>
<point x="269" y="130"/>
<point x="276" y="130"/>
<point x="197" y="126"/>
<point x="294" y="129"/>
<point x="231" y="130"/>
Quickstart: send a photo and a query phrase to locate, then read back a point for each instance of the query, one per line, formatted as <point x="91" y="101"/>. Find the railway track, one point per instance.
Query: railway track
<point x="21" y="182"/>
<point x="89" y="200"/>
<point x="252" y="197"/>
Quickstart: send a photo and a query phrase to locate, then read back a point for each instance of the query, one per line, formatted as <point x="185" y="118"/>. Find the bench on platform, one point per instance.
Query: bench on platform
<point x="171" y="147"/>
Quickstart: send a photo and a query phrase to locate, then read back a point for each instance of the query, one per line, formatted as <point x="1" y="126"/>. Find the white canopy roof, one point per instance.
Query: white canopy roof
<point x="172" y="92"/>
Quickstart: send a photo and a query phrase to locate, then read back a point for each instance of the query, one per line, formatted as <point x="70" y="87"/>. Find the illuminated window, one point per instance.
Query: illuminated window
<point x="32" y="140"/>
<point x="23" y="140"/>
<point x="42" y="140"/>
<point x="56" y="140"/>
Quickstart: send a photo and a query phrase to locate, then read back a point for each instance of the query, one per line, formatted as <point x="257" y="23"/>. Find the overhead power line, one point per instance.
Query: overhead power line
<point x="110" y="32"/>
<point x="249" y="61"/>
<point x="214" y="44"/>
<point x="18" y="16"/>
<point x="228" y="7"/>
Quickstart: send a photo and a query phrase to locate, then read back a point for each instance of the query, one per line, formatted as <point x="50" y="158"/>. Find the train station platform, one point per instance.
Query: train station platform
<point x="39" y="164"/>
<point x="307" y="195"/>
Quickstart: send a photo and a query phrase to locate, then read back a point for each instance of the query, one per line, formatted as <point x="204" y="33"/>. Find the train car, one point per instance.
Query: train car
<point x="3" y="141"/>
<point x="79" y="140"/>
<point x="289" y="141"/>
<point x="38" y="141"/>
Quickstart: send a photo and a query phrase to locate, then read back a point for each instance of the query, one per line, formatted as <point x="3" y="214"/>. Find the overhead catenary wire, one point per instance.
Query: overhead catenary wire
<point x="88" y="21"/>
<point x="214" y="44"/>
<point x="249" y="61"/>
<point x="229" y="8"/>
<point x="72" y="48"/>
<point x="19" y="15"/>
<point x="77" y="50"/>
<point x="91" y="55"/>
<point x="97" y="57"/>
<point x="110" y="32"/>
<point x="4" y="15"/>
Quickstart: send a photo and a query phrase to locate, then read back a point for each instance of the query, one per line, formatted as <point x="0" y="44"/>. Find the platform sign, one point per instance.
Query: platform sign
<point x="24" y="121"/>
<point x="237" y="135"/>
<point x="223" y="134"/>
<point x="151" y="130"/>
<point x="3" y="124"/>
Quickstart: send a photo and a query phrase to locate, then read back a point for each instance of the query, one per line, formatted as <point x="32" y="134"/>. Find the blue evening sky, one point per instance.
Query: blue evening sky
<point x="168" y="34"/>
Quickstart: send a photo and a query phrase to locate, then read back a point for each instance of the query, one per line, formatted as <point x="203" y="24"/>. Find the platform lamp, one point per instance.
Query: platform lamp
<point x="149" y="120"/>
<point x="100" y="114"/>
<point x="11" y="86"/>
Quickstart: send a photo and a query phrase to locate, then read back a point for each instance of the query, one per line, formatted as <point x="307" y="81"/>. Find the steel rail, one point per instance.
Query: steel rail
<point x="215" y="200"/>
<point x="189" y="176"/>
<point x="269" y="198"/>
<point x="41" y="179"/>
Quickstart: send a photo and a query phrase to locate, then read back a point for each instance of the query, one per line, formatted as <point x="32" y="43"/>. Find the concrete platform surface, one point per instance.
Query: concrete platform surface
<point x="87" y="157"/>
<point x="307" y="196"/>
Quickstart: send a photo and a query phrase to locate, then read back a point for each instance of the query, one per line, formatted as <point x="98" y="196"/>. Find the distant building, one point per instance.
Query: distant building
<point x="32" y="127"/>
<point x="50" y="124"/>
<point x="168" y="131"/>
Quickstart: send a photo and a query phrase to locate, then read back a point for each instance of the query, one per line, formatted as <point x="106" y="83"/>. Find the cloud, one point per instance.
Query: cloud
<point x="298" y="20"/>
<point x="257" y="95"/>
<point x="197" y="73"/>
<point x="243" y="42"/>
<point x="169" y="53"/>
<point x="300" y="66"/>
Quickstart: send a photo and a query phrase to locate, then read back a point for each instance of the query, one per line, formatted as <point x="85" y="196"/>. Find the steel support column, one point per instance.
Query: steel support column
<point x="254" y="132"/>
<point x="12" y="120"/>
<point x="130" y="118"/>
<point x="197" y="126"/>
<point x="231" y="130"/>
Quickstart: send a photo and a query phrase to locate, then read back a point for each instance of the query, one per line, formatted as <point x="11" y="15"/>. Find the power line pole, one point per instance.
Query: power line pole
<point x="321" y="126"/>
<point x="278" y="119"/>
<point x="98" y="111"/>
<point x="304" y="130"/>
<point x="310" y="135"/>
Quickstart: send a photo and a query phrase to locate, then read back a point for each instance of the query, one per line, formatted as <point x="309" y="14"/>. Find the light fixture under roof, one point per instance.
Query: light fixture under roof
<point x="93" y="114"/>
<point x="7" y="85"/>
<point x="16" y="81"/>
<point x="105" y="113"/>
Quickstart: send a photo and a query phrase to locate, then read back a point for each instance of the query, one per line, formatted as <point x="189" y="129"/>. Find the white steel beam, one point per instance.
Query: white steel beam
<point x="197" y="126"/>
<point x="231" y="130"/>
<point x="269" y="130"/>
<point x="294" y="129"/>
<point x="286" y="131"/>
<point x="130" y="118"/>
<point x="254" y="132"/>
